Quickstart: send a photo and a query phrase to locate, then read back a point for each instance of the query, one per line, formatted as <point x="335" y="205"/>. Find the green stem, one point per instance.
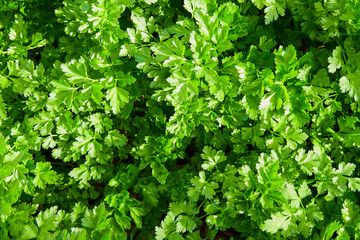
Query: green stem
<point x="2" y="71"/>
<point x="202" y="203"/>
<point x="316" y="196"/>
<point x="206" y="215"/>
<point x="12" y="148"/>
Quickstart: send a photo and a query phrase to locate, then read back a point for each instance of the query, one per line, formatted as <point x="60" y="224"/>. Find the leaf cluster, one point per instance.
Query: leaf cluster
<point x="166" y="119"/>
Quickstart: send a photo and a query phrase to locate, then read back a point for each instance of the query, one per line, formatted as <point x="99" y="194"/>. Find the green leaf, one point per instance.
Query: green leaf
<point x="259" y="3"/>
<point x="114" y="138"/>
<point x="42" y="122"/>
<point x="94" y="90"/>
<point x="274" y="99"/>
<point x="76" y="71"/>
<point x="266" y="44"/>
<point x="188" y="5"/>
<point x="194" y="236"/>
<point x="331" y="229"/>
<point x="49" y="142"/>
<point x="3" y="113"/>
<point x="87" y="145"/>
<point x="354" y="184"/>
<point x="48" y="220"/>
<point x="44" y="175"/>
<point x="18" y="32"/>
<point x="159" y="172"/>
<point x="118" y="200"/>
<point x="185" y="223"/>
<point x="9" y="162"/>
<point x="139" y="21"/>
<point x="122" y="220"/>
<point x="213" y="158"/>
<point x="286" y="222"/>
<point x="126" y="79"/>
<point x="118" y="98"/>
<point x="175" y="236"/>
<point x="151" y="1"/>
<point x="346" y="169"/>
<point x="304" y="190"/>
<point x="81" y="174"/>
<point x="97" y="172"/>
<point x="294" y="137"/>
<point x="136" y="213"/>
<point x="177" y="208"/>
<point x="291" y="194"/>
<point x="286" y="62"/>
<point x="75" y="234"/>
<point x="63" y="93"/>
<point x="304" y="73"/>
<point x="2" y="145"/>
<point x="299" y="111"/>
<point x="171" y="51"/>
<point x="160" y="233"/>
<point x="255" y="86"/>
<point x="77" y="211"/>
<point x="4" y="82"/>
<point x="277" y="222"/>
<point x="193" y="194"/>
<point x="207" y="188"/>
<point x="273" y="10"/>
<point x="206" y="24"/>
<point x="30" y="231"/>
<point x="351" y="84"/>
<point x="310" y="161"/>
<point x="321" y="78"/>
<point x="185" y="87"/>
<point x="335" y="61"/>
<point x="96" y="219"/>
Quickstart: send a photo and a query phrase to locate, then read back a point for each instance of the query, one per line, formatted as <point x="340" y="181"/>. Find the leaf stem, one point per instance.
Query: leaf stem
<point x="2" y="71"/>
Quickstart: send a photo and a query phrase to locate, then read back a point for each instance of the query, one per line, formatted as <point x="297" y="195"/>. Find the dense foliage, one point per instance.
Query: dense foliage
<point x="167" y="119"/>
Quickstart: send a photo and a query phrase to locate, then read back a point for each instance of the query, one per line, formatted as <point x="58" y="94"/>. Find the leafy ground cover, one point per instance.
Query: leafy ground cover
<point x="167" y="119"/>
